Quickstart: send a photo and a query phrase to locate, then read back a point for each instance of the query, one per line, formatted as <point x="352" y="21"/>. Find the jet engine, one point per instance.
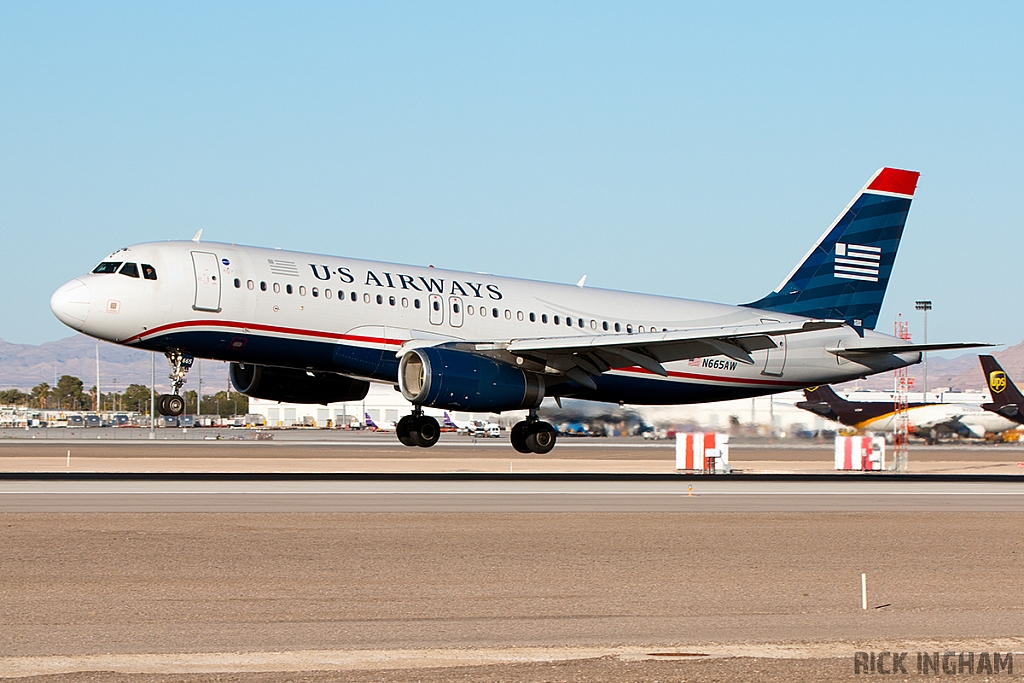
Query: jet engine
<point x="295" y="386"/>
<point x="457" y="380"/>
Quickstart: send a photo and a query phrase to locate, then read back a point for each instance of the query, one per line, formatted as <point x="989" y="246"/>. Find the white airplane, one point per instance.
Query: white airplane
<point x="458" y="425"/>
<point x="382" y="426"/>
<point x="311" y="328"/>
<point x="927" y="420"/>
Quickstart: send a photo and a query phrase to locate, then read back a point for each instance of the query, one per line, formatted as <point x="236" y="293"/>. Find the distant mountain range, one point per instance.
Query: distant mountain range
<point x="23" y="366"/>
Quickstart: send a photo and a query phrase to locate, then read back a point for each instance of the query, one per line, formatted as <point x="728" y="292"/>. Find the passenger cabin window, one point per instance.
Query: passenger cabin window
<point x="263" y="286"/>
<point x="555" y="319"/>
<point x="277" y="288"/>
<point x="544" y="318"/>
<point x="148" y="271"/>
<point x="533" y="318"/>
<point x="238" y="283"/>
<point x="107" y="267"/>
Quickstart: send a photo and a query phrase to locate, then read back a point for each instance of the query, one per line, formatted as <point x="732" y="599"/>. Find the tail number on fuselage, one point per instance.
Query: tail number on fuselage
<point x="718" y="364"/>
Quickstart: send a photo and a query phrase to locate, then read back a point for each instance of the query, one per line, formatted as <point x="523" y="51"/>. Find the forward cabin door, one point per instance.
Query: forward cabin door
<point x="775" y="359"/>
<point x="207" y="270"/>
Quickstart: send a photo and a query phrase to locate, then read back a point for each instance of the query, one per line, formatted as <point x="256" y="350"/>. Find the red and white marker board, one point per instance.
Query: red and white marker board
<point x="693" y="447"/>
<point x="863" y="453"/>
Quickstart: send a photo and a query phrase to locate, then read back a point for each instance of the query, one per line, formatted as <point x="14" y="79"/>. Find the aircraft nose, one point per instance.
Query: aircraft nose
<point x="70" y="303"/>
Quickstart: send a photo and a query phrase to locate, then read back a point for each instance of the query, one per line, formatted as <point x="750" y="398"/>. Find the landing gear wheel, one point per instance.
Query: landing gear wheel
<point x="424" y="431"/>
<point x="540" y="437"/>
<point x="403" y="429"/>
<point x="518" y="437"/>
<point x="170" y="404"/>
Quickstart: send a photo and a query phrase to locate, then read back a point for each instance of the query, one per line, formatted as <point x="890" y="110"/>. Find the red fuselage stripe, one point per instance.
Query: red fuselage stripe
<point x="235" y="325"/>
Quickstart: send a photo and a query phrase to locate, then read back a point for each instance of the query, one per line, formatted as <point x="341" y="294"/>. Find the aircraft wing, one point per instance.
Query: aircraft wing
<point x="581" y="358"/>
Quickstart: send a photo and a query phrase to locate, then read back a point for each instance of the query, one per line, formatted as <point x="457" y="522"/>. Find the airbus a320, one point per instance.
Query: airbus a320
<point x="312" y="328"/>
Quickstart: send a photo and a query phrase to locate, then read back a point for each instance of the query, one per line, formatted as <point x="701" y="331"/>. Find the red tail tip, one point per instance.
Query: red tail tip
<point x="896" y="181"/>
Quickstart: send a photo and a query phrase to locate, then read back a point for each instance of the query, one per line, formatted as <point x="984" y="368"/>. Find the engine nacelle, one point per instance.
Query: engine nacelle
<point x="295" y="386"/>
<point x="457" y="380"/>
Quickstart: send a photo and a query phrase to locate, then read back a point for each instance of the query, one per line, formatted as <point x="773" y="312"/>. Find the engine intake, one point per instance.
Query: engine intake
<point x="295" y="386"/>
<point x="457" y="380"/>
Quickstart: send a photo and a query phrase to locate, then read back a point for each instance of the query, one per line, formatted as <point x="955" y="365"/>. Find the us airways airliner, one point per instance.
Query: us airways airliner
<point x="311" y="328"/>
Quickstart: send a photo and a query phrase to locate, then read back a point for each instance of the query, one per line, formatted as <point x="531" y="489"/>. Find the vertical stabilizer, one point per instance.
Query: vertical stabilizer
<point x="846" y="272"/>
<point x="1006" y="397"/>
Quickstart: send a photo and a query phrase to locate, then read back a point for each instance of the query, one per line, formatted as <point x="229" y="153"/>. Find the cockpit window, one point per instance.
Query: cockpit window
<point x="130" y="269"/>
<point x="107" y="267"/>
<point x="148" y="271"/>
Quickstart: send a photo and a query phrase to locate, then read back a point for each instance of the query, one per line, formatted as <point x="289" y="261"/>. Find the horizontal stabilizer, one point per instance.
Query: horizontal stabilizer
<point x="853" y="352"/>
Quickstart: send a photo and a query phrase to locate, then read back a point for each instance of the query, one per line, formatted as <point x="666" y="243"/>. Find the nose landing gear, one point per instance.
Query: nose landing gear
<point x="172" y="404"/>
<point x="418" y="429"/>
<point x="533" y="436"/>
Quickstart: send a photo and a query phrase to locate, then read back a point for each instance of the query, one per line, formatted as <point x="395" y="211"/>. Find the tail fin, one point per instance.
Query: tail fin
<point x="823" y="401"/>
<point x="844" y="275"/>
<point x="1006" y="397"/>
<point x="448" y="421"/>
<point x="368" y="421"/>
<point x="824" y="393"/>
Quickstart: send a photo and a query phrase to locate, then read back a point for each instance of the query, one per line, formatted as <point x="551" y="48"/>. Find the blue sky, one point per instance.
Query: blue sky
<point x="688" y="149"/>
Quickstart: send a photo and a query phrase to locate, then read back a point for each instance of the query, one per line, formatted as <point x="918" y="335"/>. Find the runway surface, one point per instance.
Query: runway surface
<point x="476" y="577"/>
<point x="607" y="494"/>
<point x="380" y="453"/>
<point x="249" y="592"/>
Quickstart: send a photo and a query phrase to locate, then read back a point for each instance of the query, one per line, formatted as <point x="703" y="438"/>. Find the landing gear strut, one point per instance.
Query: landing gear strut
<point x="173" y="404"/>
<point x="533" y="436"/>
<point x="418" y="429"/>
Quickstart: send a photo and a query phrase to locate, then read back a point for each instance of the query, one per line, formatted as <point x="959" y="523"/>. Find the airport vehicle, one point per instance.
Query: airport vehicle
<point x="927" y="420"/>
<point x="1007" y="400"/>
<point x="312" y="328"/>
<point x="382" y="426"/>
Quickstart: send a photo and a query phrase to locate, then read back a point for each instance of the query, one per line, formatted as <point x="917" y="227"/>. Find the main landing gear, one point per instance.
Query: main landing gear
<point x="533" y="436"/>
<point x="418" y="429"/>
<point x="173" y="404"/>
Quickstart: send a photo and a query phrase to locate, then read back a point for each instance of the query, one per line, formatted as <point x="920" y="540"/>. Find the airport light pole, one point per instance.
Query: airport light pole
<point x="925" y="306"/>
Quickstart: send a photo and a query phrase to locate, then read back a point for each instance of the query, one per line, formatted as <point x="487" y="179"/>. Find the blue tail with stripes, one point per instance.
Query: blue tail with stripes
<point x="844" y="275"/>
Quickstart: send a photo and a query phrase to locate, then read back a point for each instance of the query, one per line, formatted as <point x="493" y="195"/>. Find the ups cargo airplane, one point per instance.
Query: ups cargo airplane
<point x="311" y="328"/>
<point x="927" y="420"/>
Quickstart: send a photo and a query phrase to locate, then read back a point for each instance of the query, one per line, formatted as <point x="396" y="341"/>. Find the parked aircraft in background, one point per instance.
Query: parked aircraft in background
<point x="382" y="426"/>
<point x="927" y="420"/>
<point x="312" y="328"/>
<point x="459" y="426"/>
<point x="1007" y="400"/>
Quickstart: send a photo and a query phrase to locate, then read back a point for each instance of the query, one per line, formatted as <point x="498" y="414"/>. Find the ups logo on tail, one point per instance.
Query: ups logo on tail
<point x="997" y="381"/>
